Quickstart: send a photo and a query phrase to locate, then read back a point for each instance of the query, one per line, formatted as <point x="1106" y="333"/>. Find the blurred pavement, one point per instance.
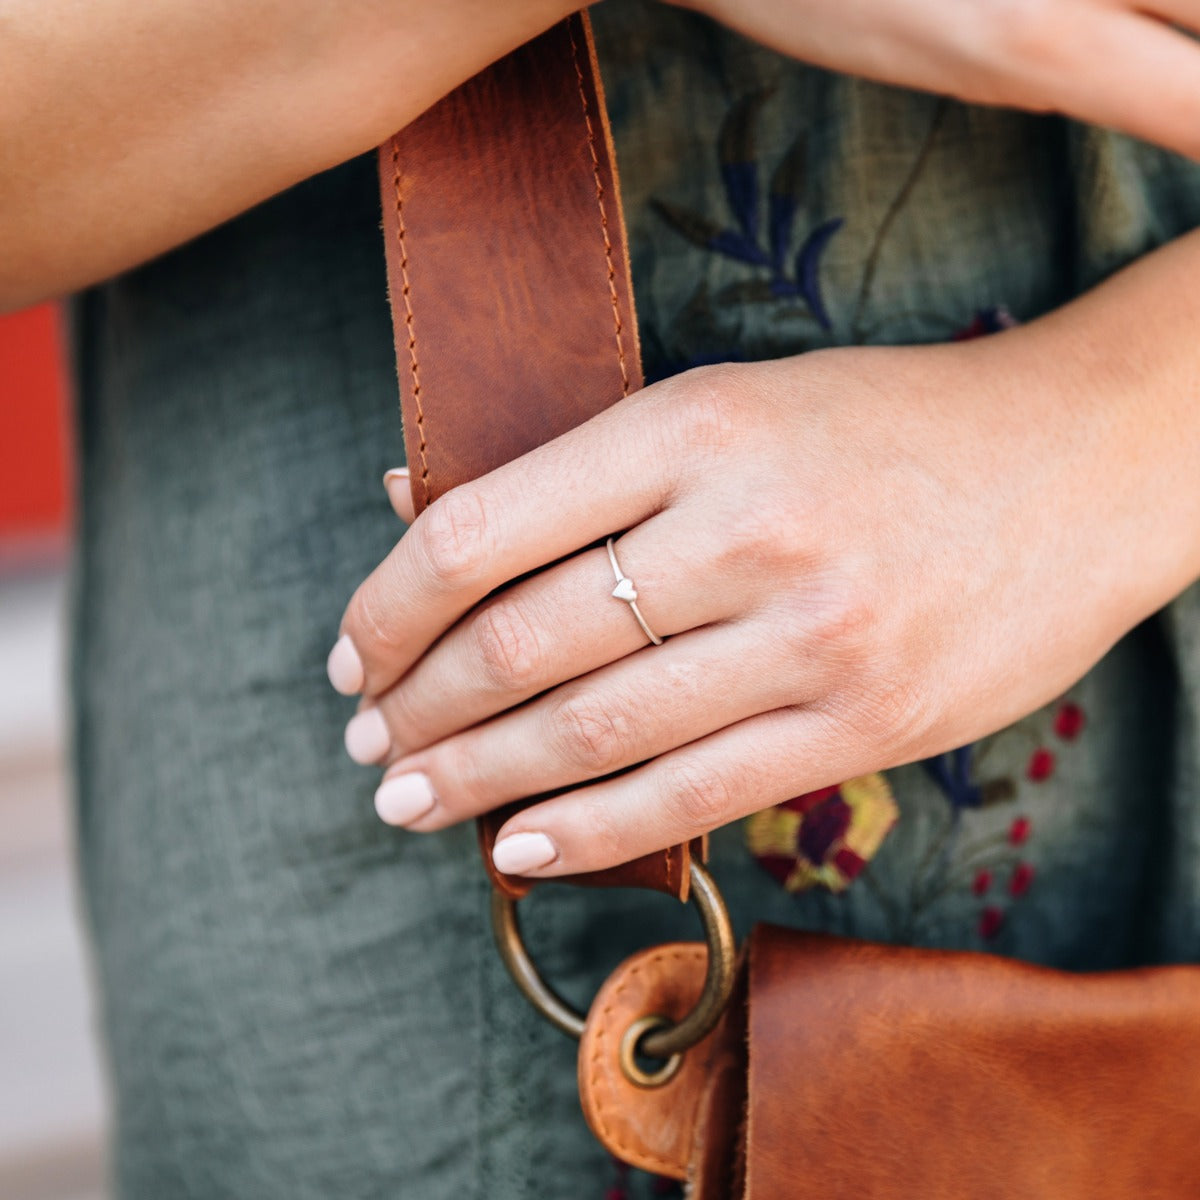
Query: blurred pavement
<point x="51" y="1099"/>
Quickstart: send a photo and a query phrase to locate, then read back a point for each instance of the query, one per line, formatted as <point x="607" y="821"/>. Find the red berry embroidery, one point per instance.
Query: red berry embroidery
<point x="991" y="921"/>
<point x="1041" y="765"/>
<point x="982" y="882"/>
<point x="1069" y="721"/>
<point x="1018" y="831"/>
<point x="1022" y="877"/>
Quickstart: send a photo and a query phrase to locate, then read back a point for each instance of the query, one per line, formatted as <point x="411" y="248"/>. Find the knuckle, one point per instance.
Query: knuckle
<point x="471" y="789"/>
<point x="371" y="618"/>
<point x="589" y="737"/>
<point x="455" y="537"/>
<point x="888" y="714"/>
<point x="1028" y="33"/>
<point x="609" y="840"/>
<point x="842" y="625"/>
<point x="507" y="647"/>
<point x="697" y="796"/>
<point x="403" y="718"/>
<point x="758" y="538"/>
<point x="711" y="417"/>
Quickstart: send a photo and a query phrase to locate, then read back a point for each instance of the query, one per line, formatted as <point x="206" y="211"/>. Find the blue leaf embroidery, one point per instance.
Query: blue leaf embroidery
<point x="808" y="262"/>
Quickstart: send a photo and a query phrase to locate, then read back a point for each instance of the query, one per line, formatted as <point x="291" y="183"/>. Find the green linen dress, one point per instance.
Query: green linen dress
<point x="299" y="1002"/>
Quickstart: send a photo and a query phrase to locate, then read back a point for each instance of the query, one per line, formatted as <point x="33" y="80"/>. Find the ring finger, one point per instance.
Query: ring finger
<point x="558" y="624"/>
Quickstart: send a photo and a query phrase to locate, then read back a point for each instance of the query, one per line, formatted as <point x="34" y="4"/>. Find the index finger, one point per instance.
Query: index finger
<point x="604" y="476"/>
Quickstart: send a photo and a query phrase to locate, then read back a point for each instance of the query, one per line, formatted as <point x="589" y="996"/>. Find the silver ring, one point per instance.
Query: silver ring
<point x="627" y="592"/>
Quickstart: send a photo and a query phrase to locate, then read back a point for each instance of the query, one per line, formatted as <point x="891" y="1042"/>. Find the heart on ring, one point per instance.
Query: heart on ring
<point x="625" y="590"/>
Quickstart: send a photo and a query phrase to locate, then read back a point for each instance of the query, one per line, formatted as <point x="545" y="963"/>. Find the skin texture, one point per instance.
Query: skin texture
<point x="129" y="127"/>
<point x="938" y="540"/>
<point x="1111" y="62"/>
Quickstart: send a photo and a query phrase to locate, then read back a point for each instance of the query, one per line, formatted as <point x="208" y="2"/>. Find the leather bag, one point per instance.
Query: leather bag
<point x="839" y="1068"/>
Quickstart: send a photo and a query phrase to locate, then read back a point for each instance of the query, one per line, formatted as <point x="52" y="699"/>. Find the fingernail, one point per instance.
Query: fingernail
<point x="394" y="474"/>
<point x="344" y="667"/>
<point x="404" y="798"/>
<point x="367" y="737"/>
<point x="522" y="852"/>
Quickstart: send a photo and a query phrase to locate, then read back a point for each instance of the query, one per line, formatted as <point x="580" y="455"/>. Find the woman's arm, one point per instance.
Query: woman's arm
<point x="1111" y="62"/>
<point x="127" y="128"/>
<point x="861" y="557"/>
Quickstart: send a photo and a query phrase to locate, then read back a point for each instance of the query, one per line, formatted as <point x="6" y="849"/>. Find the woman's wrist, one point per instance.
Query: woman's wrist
<point x="1103" y="397"/>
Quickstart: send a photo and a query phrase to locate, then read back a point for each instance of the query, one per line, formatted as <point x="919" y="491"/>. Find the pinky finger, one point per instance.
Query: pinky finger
<point x="745" y="767"/>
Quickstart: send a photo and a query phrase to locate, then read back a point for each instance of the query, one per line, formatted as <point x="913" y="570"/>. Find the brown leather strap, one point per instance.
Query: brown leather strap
<point x="509" y="278"/>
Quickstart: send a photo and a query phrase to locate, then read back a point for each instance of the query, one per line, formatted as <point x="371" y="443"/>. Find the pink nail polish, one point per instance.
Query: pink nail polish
<point x="344" y="667"/>
<point x="521" y="852"/>
<point x="367" y="737"/>
<point x="403" y="799"/>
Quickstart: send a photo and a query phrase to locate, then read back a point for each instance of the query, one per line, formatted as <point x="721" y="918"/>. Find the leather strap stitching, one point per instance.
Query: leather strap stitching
<point x="405" y="290"/>
<point x="608" y="247"/>
<point x="669" y="954"/>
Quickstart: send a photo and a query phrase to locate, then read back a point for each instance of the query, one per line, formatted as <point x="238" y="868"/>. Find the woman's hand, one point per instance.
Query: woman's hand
<point x="858" y="557"/>
<point x="1112" y="62"/>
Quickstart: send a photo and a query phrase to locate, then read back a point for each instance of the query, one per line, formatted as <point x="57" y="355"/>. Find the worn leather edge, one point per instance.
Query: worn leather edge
<point x="650" y="1128"/>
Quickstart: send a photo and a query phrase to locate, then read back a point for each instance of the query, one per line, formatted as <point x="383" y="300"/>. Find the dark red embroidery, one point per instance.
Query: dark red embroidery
<point x="1022" y="878"/>
<point x="1069" y="721"/>
<point x="991" y="921"/>
<point x="823" y="838"/>
<point x="1041" y="765"/>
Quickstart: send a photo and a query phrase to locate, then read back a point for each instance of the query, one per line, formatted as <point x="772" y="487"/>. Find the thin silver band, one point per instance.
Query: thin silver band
<point x="627" y="592"/>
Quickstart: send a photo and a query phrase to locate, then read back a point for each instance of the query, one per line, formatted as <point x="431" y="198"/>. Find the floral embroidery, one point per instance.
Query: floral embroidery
<point x="824" y="838"/>
<point x="797" y="280"/>
<point x="994" y="868"/>
<point x="1069" y="722"/>
<point x="791" y="283"/>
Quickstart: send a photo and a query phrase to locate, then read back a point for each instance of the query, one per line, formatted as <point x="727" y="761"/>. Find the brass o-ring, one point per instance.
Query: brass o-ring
<point x="661" y="1042"/>
<point x="627" y="1054"/>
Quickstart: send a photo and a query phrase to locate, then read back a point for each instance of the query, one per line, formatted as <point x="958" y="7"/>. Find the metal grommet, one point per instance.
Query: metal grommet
<point x="660" y="1042"/>
<point x="628" y="1054"/>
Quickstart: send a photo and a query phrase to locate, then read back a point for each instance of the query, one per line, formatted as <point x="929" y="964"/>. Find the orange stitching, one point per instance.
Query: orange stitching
<point x="405" y="291"/>
<point x="608" y="247"/>
<point x="609" y="1139"/>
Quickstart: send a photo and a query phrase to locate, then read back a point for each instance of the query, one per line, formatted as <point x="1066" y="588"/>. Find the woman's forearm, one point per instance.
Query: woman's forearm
<point x="127" y="127"/>
<point x="1119" y="369"/>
